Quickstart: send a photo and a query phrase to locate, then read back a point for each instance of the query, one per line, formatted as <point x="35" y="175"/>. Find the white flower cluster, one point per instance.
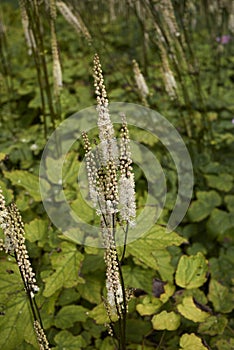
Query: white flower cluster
<point x="12" y="226"/>
<point x="41" y="337"/>
<point x="140" y="80"/>
<point x="74" y="20"/>
<point x="112" y="190"/>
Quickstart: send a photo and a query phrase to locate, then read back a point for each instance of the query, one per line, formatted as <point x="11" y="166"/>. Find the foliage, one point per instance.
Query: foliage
<point x="183" y="280"/>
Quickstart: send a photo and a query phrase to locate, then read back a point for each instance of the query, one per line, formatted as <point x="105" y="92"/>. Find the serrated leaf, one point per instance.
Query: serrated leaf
<point x="221" y="182"/>
<point x="219" y="222"/>
<point x="26" y="180"/>
<point x="2" y="156"/>
<point x="213" y="325"/>
<point x="203" y="206"/>
<point x="166" y="320"/>
<point x="136" y="277"/>
<point x="70" y="168"/>
<point x="191" y="342"/>
<point x="190" y="311"/>
<point x="36" y="230"/>
<point x="150" y="249"/>
<point x="191" y="271"/>
<point x="67" y="264"/>
<point x="229" y="200"/>
<point x="91" y="289"/>
<point x="66" y="340"/>
<point x="149" y="305"/>
<point x="219" y="295"/>
<point x="224" y="344"/>
<point x="54" y="170"/>
<point x="15" y="321"/>
<point x="7" y="193"/>
<point x="70" y="314"/>
<point x="99" y="314"/>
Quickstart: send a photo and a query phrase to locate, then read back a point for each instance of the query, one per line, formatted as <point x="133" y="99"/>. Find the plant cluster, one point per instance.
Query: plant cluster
<point x="165" y="290"/>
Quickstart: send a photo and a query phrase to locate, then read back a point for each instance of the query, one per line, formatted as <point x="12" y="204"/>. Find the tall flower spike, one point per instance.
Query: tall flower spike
<point x="30" y="40"/>
<point x="91" y="170"/>
<point x="113" y="285"/>
<point x="12" y="226"/>
<point x="108" y="144"/>
<point x="75" y="21"/>
<point x="41" y="337"/>
<point x="140" y="81"/>
<point x="127" y="202"/>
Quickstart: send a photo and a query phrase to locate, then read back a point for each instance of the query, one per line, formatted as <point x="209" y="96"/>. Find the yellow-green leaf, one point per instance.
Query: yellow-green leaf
<point x="28" y="181"/>
<point x="66" y="264"/>
<point x="191" y="342"/>
<point x="166" y="320"/>
<point x="191" y="271"/>
<point x="190" y="311"/>
<point x="221" y="297"/>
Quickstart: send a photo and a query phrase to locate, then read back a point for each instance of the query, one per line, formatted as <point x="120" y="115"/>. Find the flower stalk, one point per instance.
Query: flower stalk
<point x="14" y="244"/>
<point x="112" y="192"/>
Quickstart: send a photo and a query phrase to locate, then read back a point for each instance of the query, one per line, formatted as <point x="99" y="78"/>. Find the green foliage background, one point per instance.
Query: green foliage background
<point x="184" y="280"/>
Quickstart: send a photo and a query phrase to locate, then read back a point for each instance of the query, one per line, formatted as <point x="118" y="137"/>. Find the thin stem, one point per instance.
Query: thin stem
<point x="125" y="242"/>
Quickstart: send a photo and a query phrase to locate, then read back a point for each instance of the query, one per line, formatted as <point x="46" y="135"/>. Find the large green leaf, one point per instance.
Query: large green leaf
<point x="189" y="310"/>
<point x="221" y="297"/>
<point x="99" y="314"/>
<point x="229" y="200"/>
<point x="37" y="230"/>
<point x="66" y="340"/>
<point x="148" y="306"/>
<point x="67" y="264"/>
<point x="221" y="182"/>
<point x="151" y="251"/>
<point x="16" y="319"/>
<point x="136" y="277"/>
<point x="191" y="271"/>
<point x="191" y="342"/>
<point x="219" y="222"/>
<point x="203" y="206"/>
<point x="223" y="344"/>
<point x="26" y="180"/>
<point x="91" y="289"/>
<point x="70" y="314"/>
<point x="166" y="320"/>
<point x="213" y="325"/>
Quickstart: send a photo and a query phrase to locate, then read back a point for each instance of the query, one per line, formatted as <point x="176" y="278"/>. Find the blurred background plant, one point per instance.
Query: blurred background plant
<point x="184" y="69"/>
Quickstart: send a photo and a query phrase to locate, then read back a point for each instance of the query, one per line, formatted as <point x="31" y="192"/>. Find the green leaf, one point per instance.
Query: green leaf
<point x="203" y="206"/>
<point x="191" y="342"/>
<point x="36" y="230"/>
<point x="99" y="314"/>
<point x="26" y="180"/>
<point x="213" y="325"/>
<point x="219" y="222"/>
<point x="219" y="295"/>
<point x="136" y="277"/>
<point x="190" y="311"/>
<point x="166" y="320"/>
<point x="66" y="340"/>
<point x="221" y="182"/>
<point x="149" y="305"/>
<point x="229" y="200"/>
<point x="191" y="271"/>
<point x="70" y="314"/>
<point x="7" y="193"/>
<point x="91" y="289"/>
<point x="16" y="320"/>
<point x="70" y="168"/>
<point x="224" y="344"/>
<point x="150" y="250"/>
<point x="66" y="264"/>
